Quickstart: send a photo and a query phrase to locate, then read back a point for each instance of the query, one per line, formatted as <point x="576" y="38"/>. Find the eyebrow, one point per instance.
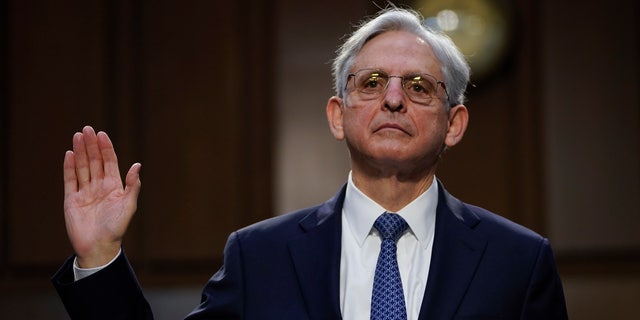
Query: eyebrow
<point x="404" y="74"/>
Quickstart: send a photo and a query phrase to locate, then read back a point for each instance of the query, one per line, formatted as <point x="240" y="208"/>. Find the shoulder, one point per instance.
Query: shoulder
<point x="281" y="224"/>
<point x="499" y="232"/>
<point x="481" y="221"/>
<point x="297" y="222"/>
<point x="495" y="225"/>
<point x="509" y="241"/>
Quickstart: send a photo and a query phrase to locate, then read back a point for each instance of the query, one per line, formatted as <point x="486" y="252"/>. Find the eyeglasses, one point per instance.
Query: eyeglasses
<point x="421" y="88"/>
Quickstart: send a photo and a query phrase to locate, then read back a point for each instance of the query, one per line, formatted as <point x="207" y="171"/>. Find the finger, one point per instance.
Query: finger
<point x="109" y="156"/>
<point x="69" y="174"/>
<point x="96" y="167"/>
<point x="133" y="184"/>
<point x="81" y="160"/>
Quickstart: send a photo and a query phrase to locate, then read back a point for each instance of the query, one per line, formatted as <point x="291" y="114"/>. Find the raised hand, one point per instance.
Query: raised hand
<point x="97" y="208"/>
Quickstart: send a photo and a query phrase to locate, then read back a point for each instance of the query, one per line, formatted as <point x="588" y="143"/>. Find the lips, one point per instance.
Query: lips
<point x="391" y="126"/>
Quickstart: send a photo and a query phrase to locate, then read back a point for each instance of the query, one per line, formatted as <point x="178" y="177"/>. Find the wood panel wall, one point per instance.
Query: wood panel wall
<point x="185" y="88"/>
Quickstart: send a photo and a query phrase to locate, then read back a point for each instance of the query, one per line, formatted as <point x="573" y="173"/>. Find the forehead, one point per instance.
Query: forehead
<point x="398" y="52"/>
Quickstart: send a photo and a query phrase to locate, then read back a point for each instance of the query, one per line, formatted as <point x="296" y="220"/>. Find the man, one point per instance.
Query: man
<point x="399" y="105"/>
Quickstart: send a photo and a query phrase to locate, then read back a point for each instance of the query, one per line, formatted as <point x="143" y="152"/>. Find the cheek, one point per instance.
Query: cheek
<point x="434" y="127"/>
<point x="355" y="122"/>
<point x="353" y="132"/>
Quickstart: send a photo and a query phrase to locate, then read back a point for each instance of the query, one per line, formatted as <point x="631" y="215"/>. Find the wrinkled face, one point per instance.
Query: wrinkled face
<point x="392" y="129"/>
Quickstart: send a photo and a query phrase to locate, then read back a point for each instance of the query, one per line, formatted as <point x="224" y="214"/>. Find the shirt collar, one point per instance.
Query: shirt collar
<point x="361" y="212"/>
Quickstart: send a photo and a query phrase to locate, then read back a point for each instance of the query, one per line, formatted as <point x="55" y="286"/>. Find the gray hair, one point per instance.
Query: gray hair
<point x="453" y="65"/>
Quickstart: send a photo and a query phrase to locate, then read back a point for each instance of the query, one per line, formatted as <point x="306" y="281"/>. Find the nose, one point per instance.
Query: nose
<point x="394" y="96"/>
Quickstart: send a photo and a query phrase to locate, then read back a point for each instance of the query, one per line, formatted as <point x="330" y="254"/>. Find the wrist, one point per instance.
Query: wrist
<point x="81" y="273"/>
<point x="97" y="258"/>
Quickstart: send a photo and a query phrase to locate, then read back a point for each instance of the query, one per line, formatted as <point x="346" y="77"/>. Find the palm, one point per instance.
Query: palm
<point x="96" y="212"/>
<point x="97" y="207"/>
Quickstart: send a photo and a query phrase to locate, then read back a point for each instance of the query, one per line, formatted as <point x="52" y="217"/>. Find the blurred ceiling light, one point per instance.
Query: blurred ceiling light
<point x="447" y="20"/>
<point x="480" y="28"/>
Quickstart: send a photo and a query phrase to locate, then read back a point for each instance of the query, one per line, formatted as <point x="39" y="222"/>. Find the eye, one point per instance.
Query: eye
<point x="416" y="86"/>
<point x="372" y="81"/>
<point x="419" y="85"/>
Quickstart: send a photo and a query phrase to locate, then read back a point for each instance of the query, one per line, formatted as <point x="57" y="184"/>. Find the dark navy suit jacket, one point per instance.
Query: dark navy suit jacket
<point x="288" y="267"/>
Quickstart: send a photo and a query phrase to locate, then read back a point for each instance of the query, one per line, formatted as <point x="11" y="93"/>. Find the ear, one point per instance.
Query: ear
<point x="335" y="111"/>
<point x="458" y="120"/>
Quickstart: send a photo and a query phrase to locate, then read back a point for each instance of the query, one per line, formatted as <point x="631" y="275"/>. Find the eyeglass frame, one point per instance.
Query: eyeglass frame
<point x="403" y="80"/>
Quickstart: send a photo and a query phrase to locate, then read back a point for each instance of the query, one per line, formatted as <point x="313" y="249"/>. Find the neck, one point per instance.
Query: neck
<point x="393" y="192"/>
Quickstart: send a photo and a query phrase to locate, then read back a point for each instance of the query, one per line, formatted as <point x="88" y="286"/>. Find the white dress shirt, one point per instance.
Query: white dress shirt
<point x="361" y="246"/>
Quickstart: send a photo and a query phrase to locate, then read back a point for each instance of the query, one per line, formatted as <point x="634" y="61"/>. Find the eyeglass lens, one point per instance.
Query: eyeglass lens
<point x="420" y="88"/>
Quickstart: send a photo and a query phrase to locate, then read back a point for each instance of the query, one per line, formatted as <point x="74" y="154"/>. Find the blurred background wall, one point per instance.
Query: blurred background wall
<point x="223" y="103"/>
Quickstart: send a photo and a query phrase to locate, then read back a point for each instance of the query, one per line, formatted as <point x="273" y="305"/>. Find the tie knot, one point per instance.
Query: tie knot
<point x="391" y="226"/>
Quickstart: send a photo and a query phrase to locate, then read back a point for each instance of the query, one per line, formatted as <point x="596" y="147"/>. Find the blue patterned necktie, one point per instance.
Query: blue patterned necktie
<point x="387" y="299"/>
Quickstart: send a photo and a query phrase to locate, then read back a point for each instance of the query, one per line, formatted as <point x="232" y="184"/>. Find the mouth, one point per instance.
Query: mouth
<point x="390" y="126"/>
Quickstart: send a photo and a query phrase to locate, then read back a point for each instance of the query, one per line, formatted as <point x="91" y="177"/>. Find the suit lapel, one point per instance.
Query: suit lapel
<point x="457" y="250"/>
<point x="316" y="257"/>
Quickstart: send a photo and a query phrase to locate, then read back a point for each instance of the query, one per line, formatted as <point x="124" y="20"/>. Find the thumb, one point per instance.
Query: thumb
<point x="133" y="183"/>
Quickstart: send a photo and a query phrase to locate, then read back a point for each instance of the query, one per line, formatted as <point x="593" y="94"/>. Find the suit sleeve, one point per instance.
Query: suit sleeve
<point x="222" y="297"/>
<point x="545" y="296"/>
<point x="112" y="293"/>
